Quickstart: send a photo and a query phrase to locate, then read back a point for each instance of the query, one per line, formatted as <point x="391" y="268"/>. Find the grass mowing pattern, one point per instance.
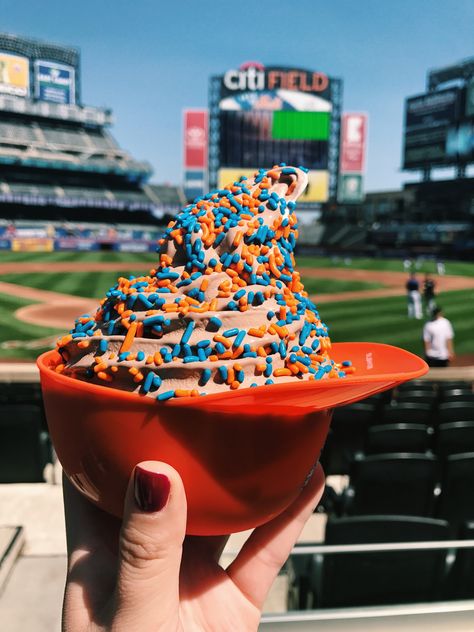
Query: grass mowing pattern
<point x="386" y="320"/>
<point x="13" y="329"/>
<point x="463" y="268"/>
<point x="96" y="284"/>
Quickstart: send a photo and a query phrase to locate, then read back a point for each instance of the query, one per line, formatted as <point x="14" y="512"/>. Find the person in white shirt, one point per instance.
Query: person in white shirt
<point x="438" y="337"/>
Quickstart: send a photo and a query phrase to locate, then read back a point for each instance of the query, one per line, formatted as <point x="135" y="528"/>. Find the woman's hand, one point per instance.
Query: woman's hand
<point x="144" y="575"/>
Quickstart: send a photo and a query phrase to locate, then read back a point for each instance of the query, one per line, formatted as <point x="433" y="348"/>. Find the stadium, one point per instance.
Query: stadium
<point x="77" y="211"/>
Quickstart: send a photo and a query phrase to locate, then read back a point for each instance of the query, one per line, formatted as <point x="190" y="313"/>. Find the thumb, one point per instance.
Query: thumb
<point x="151" y="539"/>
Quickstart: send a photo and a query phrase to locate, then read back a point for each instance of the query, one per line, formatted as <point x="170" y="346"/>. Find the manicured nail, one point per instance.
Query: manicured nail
<point x="151" y="489"/>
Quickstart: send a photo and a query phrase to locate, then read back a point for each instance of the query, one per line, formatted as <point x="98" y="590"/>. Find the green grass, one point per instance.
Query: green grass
<point x="328" y="286"/>
<point x="95" y="284"/>
<point x="462" y="268"/>
<point x="13" y="329"/>
<point x="87" y="284"/>
<point x="385" y="320"/>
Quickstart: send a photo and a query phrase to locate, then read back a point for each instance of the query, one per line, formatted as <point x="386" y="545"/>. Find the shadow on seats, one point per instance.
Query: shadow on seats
<point x="382" y="577"/>
<point x="401" y="483"/>
<point x="25" y="447"/>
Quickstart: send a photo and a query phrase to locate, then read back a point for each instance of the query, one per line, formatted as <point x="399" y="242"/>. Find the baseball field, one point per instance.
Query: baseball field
<point x="360" y="299"/>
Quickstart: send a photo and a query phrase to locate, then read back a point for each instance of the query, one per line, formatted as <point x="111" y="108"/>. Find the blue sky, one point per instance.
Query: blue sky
<point x="150" y="59"/>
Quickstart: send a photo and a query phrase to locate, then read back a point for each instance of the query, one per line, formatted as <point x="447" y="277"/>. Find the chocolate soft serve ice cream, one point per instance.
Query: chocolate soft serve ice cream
<point x="224" y="308"/>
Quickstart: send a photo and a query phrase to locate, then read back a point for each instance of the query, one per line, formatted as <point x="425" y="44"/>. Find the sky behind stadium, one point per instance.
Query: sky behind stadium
<point x="149" y="59"/>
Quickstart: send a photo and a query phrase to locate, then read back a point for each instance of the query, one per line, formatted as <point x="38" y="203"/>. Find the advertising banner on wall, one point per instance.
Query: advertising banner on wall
<point x="353" y="141"/>
<point x="14" y="75"/>
<point x="54" y="82"/>
<point x="195" y="139"/>
<point x="316" y="191"/>
<point x="350" y="189"/>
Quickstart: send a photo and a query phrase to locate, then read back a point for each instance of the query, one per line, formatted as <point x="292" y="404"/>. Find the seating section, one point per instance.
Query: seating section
<point x="399" y="438"/>
<point x="381" y="577"/>
<point x="25" y="447"/>
<point x="400" y="483"/>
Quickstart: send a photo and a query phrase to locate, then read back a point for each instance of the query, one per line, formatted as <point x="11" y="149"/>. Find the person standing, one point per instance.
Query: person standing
<point x="438" y="337"/>
<point x="414" y="297"/>
<point x="429" y="294"/>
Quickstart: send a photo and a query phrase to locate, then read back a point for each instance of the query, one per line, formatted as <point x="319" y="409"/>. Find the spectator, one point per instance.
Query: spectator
<point x="414" y="297"/>
<point x="429" y="294"/>
<point x="438" y="337"/>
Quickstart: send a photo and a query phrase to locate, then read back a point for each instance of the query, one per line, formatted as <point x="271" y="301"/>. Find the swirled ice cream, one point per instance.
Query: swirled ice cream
<point x="223" y="309"/>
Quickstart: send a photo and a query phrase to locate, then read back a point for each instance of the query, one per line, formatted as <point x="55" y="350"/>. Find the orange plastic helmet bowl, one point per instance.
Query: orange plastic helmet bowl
<point x="243" y="455"/>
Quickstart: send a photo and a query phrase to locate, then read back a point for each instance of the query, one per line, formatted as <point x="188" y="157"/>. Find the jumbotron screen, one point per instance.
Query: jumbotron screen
<point x="269" y="115"/>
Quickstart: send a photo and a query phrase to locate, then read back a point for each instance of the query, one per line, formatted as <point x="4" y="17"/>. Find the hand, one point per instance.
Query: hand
<point x="144" y="575"/>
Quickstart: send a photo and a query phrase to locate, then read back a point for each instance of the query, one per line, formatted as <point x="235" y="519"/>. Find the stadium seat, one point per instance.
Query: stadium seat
<point x="458" y="395"/>
<point x="456" y="411"/>
<point x="409" y="413"/>
<point x="399" y="438"/>
<point x="25" y="448"/>
<point x="456" y="501"/>
<point x="348" y="431"/>
<point x="449" y="385"/>
<point x="382" y="577"/>
<point x="392" y="483"/>
<point x="417" y="385"/>
<point x="461" y="579"/>
<point x="20" y="393"/>
<point x="455" y="437"/>
<point x="417" y="397"/>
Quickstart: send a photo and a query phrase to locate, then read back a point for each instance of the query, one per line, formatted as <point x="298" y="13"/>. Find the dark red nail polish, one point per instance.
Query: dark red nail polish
<point x="151" y="489"/>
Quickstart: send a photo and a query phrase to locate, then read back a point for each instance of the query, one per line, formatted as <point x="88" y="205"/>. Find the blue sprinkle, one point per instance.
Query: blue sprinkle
<point x="239" y="294"/>
<point x="293" y="358"/>
<point x="147" y="384"/>
<point x="282" y="349"/>
<point x="230" y="332"/>
<point x="123" y="356"/>
<point x="220" y="348"/>
<point x="166" y="395"/>
<point x="205" y="377"/>
<point x="201" y="354"/>
<point x="191" y="359"/>
<point x="253" y="385"/>
<point x="346" y="363"/>
<point x="270" y="315"/>
<point x="269" y="382"/>
<point x="239" y="338"/>
<point x="232" y="305"/>
<point x="140" y="356"/>
<point x="215" y="322"/>
<point x="176" y="351"/>
<point x="103" y="347"/>
<point x="132" y="317"/>
<point x="187" y="332"/>
<point x="202" y="344"/>
<point x="223" y="372"/>
<point x="240" y="375"/>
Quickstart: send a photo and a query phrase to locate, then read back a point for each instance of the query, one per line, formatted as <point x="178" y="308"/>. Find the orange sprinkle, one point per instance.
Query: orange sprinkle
<point x="129" y="338"/>
<point x="102" y="375"/>
<point x="157" y="359"/>
<point x="225" y="341"/>
<point x="235" y="385"/>
<point x="255" y="332"/>
<point x="281" y="372"/>
<point x="179" y="392"/>
<point x="114" y="369"/>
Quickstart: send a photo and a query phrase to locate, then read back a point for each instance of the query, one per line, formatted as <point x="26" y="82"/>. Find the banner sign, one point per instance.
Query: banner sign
<point x="316" y="191"/>
<point x="353" y="141"/>
<point x="54" y="82"/>
<point x="32" y="244"/>
<point x="195" y="139"/>
<point x="350" y="189"/>
<point x="14" y="75"/>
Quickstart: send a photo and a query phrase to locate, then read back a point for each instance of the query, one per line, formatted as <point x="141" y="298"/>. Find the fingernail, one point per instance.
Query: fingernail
<point x="151" y="489"/>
